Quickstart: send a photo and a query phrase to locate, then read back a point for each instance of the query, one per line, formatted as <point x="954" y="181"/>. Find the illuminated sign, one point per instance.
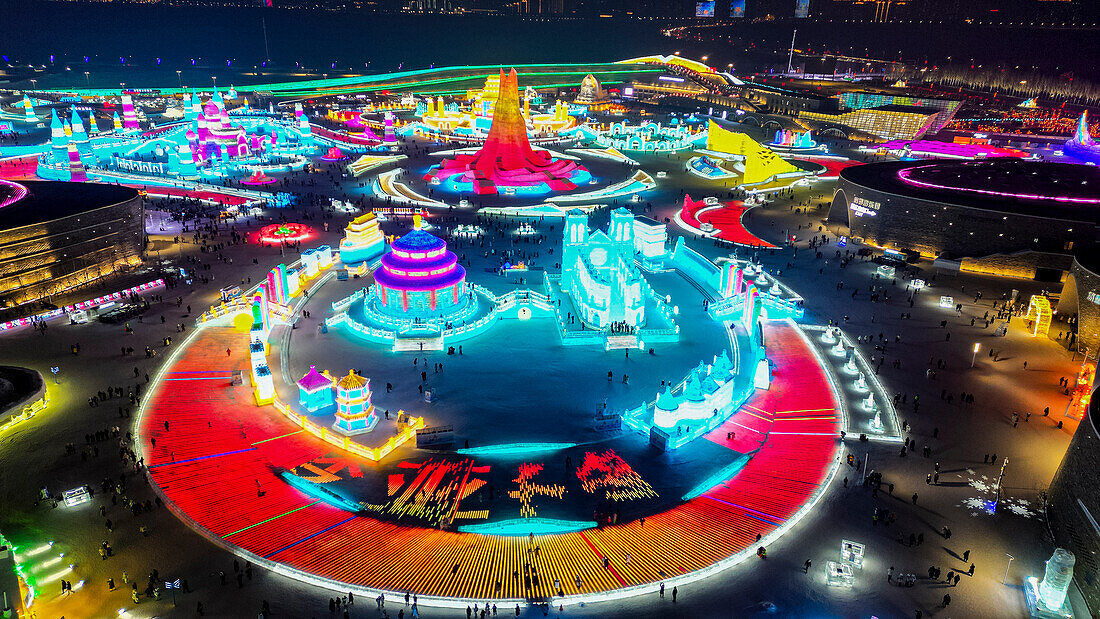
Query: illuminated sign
<point x="704" y="9"/>
<point x="863" y="207"/>
<point x="737" y="8"/>
<point x="801" y="9"/>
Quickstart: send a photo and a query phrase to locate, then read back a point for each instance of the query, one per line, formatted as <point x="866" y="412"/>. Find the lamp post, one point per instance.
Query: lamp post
<point x="974" y="357"/>
<point x="87" y="79"/>
<point x="179" y="76"/>
<point x="1007" y="567"/>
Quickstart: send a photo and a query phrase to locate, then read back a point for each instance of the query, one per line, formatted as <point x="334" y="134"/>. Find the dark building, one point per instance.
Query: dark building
<point x="1073" y="508"/>
<point x="1001" y="216"/>
<point x="56" y="236"/>
<point x="1079" y="305"/>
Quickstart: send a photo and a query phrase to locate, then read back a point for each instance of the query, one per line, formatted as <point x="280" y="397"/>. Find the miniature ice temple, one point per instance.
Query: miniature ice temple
<point x="354" y="410"/>
<point x="708" y="391"/>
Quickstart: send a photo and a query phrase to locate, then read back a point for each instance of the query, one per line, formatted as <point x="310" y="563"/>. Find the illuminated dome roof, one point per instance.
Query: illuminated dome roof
<point x="419" y="261"/>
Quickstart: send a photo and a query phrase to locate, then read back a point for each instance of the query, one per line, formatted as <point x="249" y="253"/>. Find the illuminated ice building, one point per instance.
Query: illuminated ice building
<point x="420" y="279"/>
<point x="363" y="242"/>
<point x="708" y="391"/>
<point x="507" y="163"/>
<point x="598" y="271"/>
<point x="1082" y="146"/>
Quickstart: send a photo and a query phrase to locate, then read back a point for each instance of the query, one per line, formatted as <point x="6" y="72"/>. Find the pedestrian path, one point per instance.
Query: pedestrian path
<point x="218" y="460"/>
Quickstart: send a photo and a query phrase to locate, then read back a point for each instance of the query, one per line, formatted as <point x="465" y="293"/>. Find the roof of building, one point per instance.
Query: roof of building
<point x="352" y="381"/>
<point x="906" y="109"/>
<point x="646" y="221"/>
<point x="49" y="200"/>
<point x="1003" y="184"/>
<point x="314" y="380"/>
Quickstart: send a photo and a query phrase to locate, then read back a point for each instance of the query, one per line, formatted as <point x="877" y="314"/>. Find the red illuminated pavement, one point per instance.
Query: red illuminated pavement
<point x="216" y="460"/>
<point x="726" y="218"/>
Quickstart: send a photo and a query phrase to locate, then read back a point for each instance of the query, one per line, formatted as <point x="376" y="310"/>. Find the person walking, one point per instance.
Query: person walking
<point x="674" y="594"/>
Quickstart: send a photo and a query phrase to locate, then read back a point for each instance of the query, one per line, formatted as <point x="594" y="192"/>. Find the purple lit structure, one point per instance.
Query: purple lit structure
<point x="420" y="277"/>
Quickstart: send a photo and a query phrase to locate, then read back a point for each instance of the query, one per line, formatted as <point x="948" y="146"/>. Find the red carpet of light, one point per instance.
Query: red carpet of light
<point x="217" y="462"/>
<point x="726" y="219"/>
<point x="832" y="166"/>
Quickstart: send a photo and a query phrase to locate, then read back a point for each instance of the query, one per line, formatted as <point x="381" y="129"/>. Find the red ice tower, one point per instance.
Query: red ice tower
<point x="507" y="159"/>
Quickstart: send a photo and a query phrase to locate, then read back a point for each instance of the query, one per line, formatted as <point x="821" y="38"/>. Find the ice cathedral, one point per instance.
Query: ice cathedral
<point x="598" y="271"/>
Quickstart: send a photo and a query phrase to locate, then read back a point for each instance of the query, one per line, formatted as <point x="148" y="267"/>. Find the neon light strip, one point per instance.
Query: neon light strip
<point x="288" y="546"/>
<point x="296" y="509"/>
<point x="202" y="378"/>
<point x="276" y="437"/>
<point x="514" y="448"/>
<point x="19" y="193"/>
<point x="774" y="520"/>
<point x="522" y="527"/>
<point x="224" y="453"/>
<point x="904" y="175"/>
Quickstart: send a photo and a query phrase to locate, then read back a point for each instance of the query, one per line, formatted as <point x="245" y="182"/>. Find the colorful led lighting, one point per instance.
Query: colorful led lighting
<point x="906" y="177"/>
<point x="285" y="233"/>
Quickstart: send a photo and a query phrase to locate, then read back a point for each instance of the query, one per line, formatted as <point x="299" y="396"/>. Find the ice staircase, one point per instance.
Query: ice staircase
<point x="618" y="341"/>
<point x="407" y="344"/>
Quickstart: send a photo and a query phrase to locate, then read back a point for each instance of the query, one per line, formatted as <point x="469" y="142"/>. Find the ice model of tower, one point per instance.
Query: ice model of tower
<point x="202" y="128"/>
<point x="232" y="94"/>
<point x="116" y="121"/>
<point x="298" y="110"/>
<point x="575" y="237"/>
<point x="28" y="110"/>
<point x="76" y="168"/>
<point x="218" y="100"/>
<point x="190" y="111"/>
<point x="305" y="131"/>
<point x="188" y="170"/>
<point x="389" y="136"/>
<point x="1082" y="135"/>
<point x="354" y="410"/>
<point x="193" y="141"/>
<point x="622" y="231"/>
<point x="80" y="137"/>
<point x="1056" y="579"/>
<point x="58" y="140"/>
<point x="129" y="116"/>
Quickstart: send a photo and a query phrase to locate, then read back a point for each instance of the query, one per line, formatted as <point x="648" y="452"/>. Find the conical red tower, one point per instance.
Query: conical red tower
<point x="507" y="158"/>
<point x="507" y="141"/>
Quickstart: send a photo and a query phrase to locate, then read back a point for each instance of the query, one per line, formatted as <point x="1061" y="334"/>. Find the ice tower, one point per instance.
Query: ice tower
<point x="507" y="159"/>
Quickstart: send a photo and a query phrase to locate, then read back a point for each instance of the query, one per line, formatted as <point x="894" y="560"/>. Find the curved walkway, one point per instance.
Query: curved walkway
<point x="215" y="456"/>
<point x="726" y="219"/>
